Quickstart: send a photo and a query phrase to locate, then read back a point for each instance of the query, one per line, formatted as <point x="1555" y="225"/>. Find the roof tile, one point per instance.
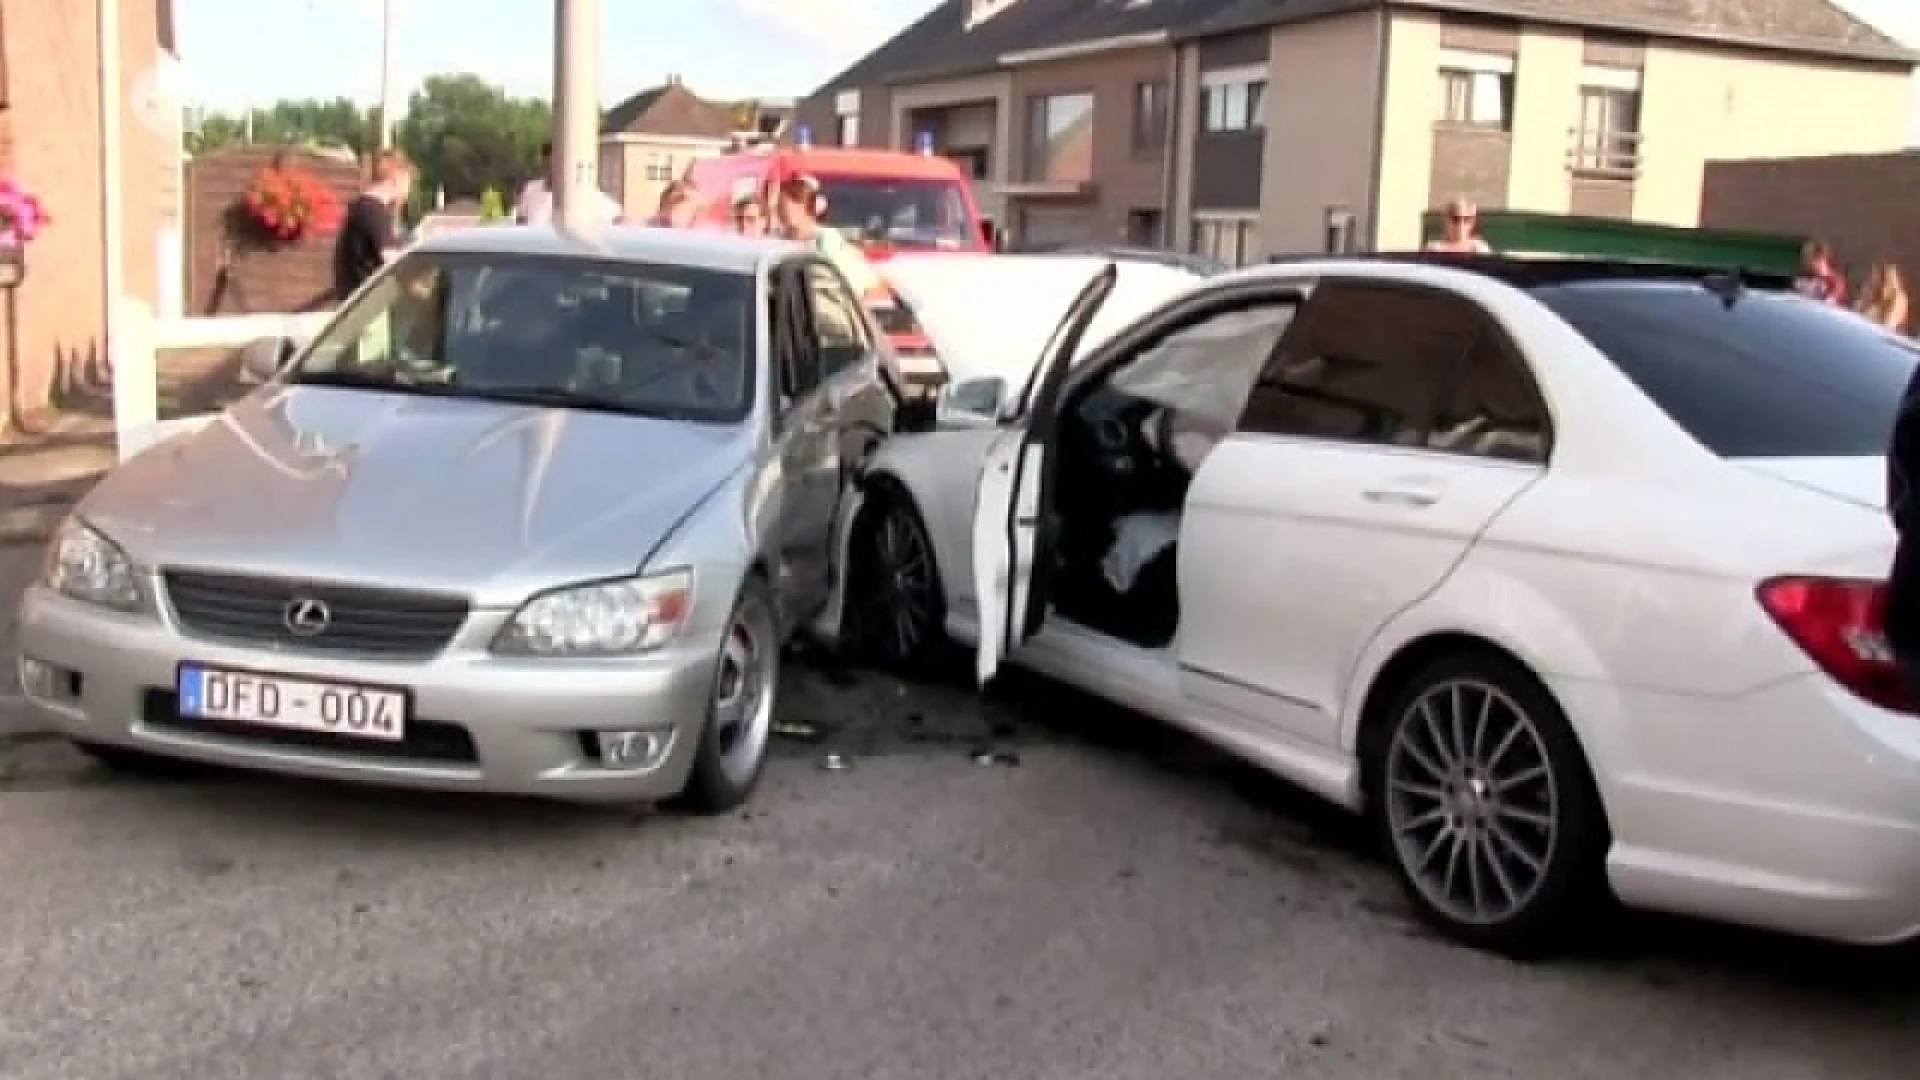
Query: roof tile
<point x="939" y="44"/>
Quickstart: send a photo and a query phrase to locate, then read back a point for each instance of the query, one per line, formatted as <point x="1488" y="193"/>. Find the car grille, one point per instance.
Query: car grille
<point x="253" y="610"/>
<point x="427" y="741"/>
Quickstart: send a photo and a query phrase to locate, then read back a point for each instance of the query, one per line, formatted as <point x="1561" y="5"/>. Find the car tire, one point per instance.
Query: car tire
<point x="1487" y="808"/>
<point x="739" y="723"/>
<point x="896" y="602"/>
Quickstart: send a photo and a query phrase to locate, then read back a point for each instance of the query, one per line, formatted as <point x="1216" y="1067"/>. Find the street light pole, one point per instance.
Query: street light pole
<point x="385" y="137"/>
<point x="576" y="111"/>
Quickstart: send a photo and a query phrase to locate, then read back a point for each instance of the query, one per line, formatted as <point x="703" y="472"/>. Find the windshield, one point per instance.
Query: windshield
<point x="921" y="212"/>
<point x="1762" y="374"/>
<point x="669" y="341"/>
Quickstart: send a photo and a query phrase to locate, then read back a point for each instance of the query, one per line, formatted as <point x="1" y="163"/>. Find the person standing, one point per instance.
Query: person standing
<point x="535" y="205"/>
<point x="1461" y="231"/>
<point x="1884" y="297"/>
<point x="1900" y="617"/>
<point x="369" y="235"/>
<point x="749" y="216"/>
<point x="1819" y="278"/>
<point x="800" y="206"/>
<point x="678" y="208"/>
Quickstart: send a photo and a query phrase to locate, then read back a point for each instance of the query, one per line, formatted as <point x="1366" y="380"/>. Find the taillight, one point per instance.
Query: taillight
<point x="1838" y="623"/>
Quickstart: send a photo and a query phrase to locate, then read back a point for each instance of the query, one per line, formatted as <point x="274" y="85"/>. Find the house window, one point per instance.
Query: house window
<point x="975" y="161"/>
<point x="1476" y="90"/>
<point x="1233" y="100"/>
<point x="613" y="173"/>
<point x="846" y="118"/>
<point x="1149" y="117"/>
<point x="1607" y="139"/>
<point x="659" y="168"/>
<point x="1234" y="239"/>
<point x="1060" y="139"/>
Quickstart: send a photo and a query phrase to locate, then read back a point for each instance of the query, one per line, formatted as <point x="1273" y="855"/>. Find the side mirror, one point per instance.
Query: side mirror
<point x="990" y="235"/>
<point x="973" y="403"/>
<point x="263" y="358"/>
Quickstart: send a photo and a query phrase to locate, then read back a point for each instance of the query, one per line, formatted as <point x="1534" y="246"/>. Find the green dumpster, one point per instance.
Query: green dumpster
<point x="1518" y="233"/>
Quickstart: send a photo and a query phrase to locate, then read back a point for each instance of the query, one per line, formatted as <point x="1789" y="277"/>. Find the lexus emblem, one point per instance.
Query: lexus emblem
<point x="306" y="616"/>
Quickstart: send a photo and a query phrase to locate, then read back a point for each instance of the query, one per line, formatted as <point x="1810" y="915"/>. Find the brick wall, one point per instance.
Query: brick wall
<point x="52" y="326"/>
<point x="1864" y="205"/>
<point x="232" y="272"/>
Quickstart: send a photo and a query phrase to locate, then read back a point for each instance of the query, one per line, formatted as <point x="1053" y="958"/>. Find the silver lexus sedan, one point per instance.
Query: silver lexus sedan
<point x="533" y="514"/>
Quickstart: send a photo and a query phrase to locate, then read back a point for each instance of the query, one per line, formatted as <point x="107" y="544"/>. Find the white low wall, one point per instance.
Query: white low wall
<point x="236" y="330"/>
<point x="138" y="340"/>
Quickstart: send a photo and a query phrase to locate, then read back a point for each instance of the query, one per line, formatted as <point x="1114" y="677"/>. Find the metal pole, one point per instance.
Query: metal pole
<point x="127" y="324"/>
<point x="576" y="111"/>
<point x="385" y="138"/>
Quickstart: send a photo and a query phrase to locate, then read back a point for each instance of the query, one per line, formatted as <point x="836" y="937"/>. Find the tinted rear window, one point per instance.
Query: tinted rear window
<point x="1771" y="375"/>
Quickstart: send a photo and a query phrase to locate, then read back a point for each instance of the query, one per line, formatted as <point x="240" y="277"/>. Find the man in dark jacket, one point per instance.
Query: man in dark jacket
<point x="1903" y="580"/>
<point x="368" y="237"/>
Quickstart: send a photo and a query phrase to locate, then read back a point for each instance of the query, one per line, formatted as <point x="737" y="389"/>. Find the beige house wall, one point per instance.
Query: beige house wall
<point x="625" y="163"/>
<point x="1704" y="105"/>
<point x="1698" y="103"/>
<point x="1323" y="115"/>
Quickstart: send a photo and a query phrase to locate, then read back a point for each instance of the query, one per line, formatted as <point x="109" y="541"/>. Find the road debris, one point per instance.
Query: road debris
<point x="798" y="730"/>
<point x="988" y="755"/>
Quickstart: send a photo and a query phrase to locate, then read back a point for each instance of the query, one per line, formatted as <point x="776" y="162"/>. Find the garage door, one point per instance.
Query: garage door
<point x="1041" y="226"/>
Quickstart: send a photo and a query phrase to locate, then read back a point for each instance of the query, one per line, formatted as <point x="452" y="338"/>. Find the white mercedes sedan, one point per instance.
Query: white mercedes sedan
<point x="1567" y="575"/>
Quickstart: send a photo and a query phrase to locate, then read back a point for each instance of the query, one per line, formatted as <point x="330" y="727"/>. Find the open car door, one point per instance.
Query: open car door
<point x="1014" y="536"/>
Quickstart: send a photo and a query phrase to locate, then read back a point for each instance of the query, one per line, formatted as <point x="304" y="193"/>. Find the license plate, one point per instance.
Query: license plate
<point x="246" y="697"/>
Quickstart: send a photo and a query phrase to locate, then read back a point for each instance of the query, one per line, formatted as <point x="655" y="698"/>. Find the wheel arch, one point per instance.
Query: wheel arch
<point x="1481" y="607"/>
<point x="1413" y="657"/>
<point x="891" y="477"/>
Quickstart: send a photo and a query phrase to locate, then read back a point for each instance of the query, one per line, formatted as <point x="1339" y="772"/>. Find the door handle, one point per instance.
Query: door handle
<point x="1412" y="493"/>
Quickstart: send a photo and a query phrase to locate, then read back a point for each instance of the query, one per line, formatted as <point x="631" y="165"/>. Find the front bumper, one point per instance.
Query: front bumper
<point x="479" y="722"/>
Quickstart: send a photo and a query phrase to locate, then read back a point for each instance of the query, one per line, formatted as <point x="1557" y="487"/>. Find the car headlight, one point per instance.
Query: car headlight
<point x="86" y="566"/>
<point x="603" y="618"/>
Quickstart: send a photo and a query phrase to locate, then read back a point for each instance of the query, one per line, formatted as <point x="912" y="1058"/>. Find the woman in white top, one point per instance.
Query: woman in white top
<point x="1461" y="232"/>
<point x="535" y="205"/>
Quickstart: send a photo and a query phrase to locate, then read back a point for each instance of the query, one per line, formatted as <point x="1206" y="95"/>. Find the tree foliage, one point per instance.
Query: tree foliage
<point x="463" y="134"/>
<point x="467" y="135"/>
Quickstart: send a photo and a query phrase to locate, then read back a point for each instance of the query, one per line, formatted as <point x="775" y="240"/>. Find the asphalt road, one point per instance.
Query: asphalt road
<point x="1090" y="898"/>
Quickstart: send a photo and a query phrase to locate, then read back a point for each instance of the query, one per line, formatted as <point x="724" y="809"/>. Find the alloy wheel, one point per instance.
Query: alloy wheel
<point x="1472" y="803"/>
<point x="743" y="694"/>
<point x="899" y="599"/>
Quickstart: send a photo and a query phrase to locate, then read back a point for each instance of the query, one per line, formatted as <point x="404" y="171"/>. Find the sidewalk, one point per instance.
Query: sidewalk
<point x="45" y="470"/>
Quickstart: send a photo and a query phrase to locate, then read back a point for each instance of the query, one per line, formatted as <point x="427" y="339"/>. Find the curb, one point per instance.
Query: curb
<point x="31" y="526"/>
<point x="17" y="740"/>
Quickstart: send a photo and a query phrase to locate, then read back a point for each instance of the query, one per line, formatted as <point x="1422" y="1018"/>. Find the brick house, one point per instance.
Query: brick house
<point x="1248" y="127"/>
<point x="53" y="333"/>
<point x="647" y="140"/>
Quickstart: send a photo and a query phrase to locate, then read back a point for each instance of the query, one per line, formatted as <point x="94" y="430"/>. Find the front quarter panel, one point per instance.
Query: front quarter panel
<point x="733" y="531"/>
<point x="940" y="471"/>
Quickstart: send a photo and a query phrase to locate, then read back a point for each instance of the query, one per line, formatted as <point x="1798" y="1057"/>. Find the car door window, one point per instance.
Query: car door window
<point x="401" y="310"/>
<point x="800" y="371"/>
<point x="1491" y="406"/>
<point x="838" y="329"/>
<point x="1362" y="364"/>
